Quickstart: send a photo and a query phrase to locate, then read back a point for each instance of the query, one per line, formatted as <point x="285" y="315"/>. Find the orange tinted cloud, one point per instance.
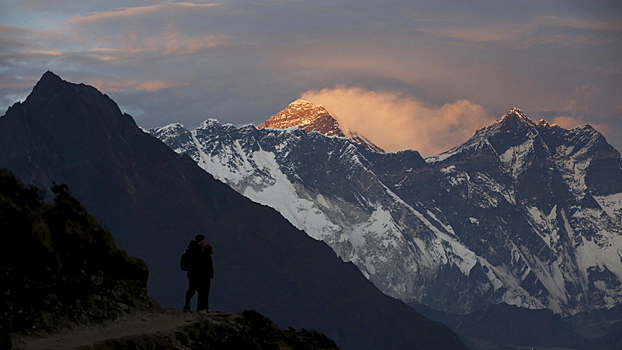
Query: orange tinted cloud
<point x="572" y="122"/>
<point x="13" y="82"/>
<point x="131" y="12"/>
<point x="579" y="23"/>
<point x="514" y="36"/>
<point x="173" y="42"/>
<point x="122" y="12"/>
<point x="193" y="4"/>
<point x="169" y="42"/>
<point x="495" y="33"/>
<point x="396" y="122"/>
<point x="116" y="86"/>
<point x="42" y="52"/>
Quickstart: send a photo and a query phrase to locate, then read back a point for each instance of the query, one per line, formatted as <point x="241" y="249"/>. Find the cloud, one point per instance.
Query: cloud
<point x="568" y="122"/>
<point x="14" y="38"/>
<point x="126" y="12"/>
<point x="12" y="31"/>
<point x="578" y="23"/>
<point x="586" y="90"/>
<point x="193" y="4"/>
<point x="168" y="42"/>
<point x="28" y="44"/>
<point x="492" y="33"/>
<point x="117" y="13"/>
<point x="117" y="86"/>
<point x="25" y="44"/>
<point x="157" y="35"/>
<point x="396" y="122"/>
<point x="528" y="34"/>
<point x="14" y="82"/>
<point x="581" y="102"/>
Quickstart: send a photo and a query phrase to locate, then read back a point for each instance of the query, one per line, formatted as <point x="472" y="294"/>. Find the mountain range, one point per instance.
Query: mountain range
<point x="524" y="213"/>
<point x="154" y="201"/>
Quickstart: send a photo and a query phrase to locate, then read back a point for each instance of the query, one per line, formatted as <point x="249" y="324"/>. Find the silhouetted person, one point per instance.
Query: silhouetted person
<point x="200" y="273"/>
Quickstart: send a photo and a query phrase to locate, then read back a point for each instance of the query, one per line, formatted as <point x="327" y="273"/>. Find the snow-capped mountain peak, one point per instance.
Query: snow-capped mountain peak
<point x="522" y="213"/>
<point x="545" y="124"/>
<point x="515" y="112"/>
<point x="310" y="117"/>
<point x="512" y="129"/>
<point x="514" y="119"/>
<point x="307" y="116"/>
<point x="304" y="105"/>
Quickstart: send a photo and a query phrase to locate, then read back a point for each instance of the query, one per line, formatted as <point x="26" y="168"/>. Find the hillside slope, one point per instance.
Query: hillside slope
<point x="174" y="330"/>
<point x="65" y="285"/>
<point x="154" y="201"/>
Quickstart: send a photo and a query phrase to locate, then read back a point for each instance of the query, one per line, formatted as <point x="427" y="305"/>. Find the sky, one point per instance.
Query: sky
<point x="421" y="75"/>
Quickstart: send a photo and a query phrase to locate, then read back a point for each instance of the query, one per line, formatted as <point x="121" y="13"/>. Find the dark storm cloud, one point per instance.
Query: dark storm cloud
<point x="242" y="61"/>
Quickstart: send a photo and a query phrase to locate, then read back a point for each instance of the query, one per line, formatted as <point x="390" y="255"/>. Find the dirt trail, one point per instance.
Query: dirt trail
<point x="133" y="324"/>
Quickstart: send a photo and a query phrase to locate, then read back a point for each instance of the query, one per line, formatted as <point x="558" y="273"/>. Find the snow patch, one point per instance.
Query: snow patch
<point x="516" y="158"/>
<point x="612" y="205"/>
<point x="465" y="259"/>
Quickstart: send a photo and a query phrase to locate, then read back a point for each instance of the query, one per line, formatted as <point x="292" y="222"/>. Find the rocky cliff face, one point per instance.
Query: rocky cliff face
<point x="523" y="213"/>
<point x="535" y="198"/>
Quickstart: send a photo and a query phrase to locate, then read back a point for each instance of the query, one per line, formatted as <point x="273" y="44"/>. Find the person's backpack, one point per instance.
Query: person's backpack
<point x="185" y="261"/>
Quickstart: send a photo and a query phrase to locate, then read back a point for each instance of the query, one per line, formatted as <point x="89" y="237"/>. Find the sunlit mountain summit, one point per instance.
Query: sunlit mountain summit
<point x="307" y="116"/>
<point x="311" y="117"/>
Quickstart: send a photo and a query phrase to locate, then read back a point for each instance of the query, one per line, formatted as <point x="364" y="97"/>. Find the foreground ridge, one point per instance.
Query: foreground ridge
<point x="173" y="329"/>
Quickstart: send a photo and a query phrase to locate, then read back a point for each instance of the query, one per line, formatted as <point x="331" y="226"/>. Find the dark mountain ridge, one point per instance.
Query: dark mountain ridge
<point x="155" y="201"/>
